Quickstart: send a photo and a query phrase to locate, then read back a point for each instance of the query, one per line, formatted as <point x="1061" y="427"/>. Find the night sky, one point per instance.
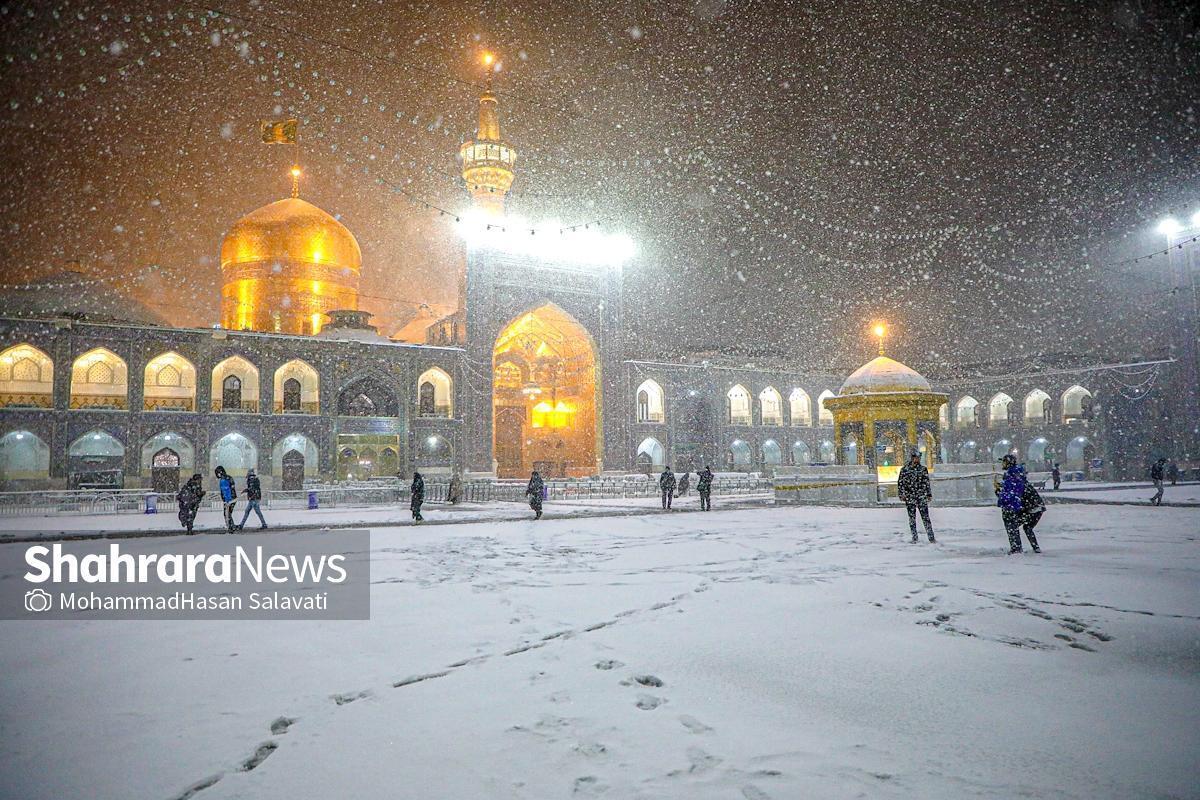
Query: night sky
<point x="789" y="171"/>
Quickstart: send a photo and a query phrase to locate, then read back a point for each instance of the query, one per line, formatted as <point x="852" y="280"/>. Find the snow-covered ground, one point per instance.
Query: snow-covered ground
<point x="399" y="514"/>
<point x="766" y="653"/>
<point x="1181" y="493"/>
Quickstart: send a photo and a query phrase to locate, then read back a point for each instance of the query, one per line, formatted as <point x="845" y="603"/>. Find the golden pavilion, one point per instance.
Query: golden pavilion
<point x="883" y="411"/>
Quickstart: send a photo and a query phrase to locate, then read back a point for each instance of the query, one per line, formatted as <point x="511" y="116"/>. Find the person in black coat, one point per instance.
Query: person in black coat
<point x="1056" y="476"/>
<point x="704" y="488"/>
<point x="666" y="483"/>
<point x="417" y="491"/>
<point x="534" y="490"/>
<point x="915" y="491"/>
<point x="253" y="494"/>
<point x="1156" y="475"/>
<point x="188" y="499"/>
<point x="1032" y="508"/>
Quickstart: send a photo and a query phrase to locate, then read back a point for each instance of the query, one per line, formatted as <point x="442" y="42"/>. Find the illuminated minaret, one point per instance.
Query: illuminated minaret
<point x="487" y="162"/>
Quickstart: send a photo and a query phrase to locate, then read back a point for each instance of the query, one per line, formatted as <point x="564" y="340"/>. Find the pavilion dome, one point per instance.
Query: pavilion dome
<point x="884" y="375"/>
<point x="291" y="229"/>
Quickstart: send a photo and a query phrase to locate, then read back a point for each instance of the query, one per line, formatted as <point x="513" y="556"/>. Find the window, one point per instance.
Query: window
<point x="801" y="408"/>
<point x="434" y="395"/>
<point x="1077" y="406"/>
<point x="650" y="402"/>
<point x="231" y="393"/>
<point x="98" y="380"/>
<point x="772" y="406"/>
<point x="965" y="412"/>
<point x="169" y="384"/>
<point x="26" y="378"/>
<point x="738" y="400"/>
<point x="824" y="416"/>
<point x="296" y="388"/>
<point x="1037" y="407"/>
<point x="240" y="394"/>
<point x="291" y="395"/>
<point x="998" y="410"/>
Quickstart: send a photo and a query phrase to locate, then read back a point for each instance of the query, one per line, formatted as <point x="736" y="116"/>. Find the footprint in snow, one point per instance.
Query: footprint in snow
<point x="649" y="680"/>
<point x="648" y="702"/>
<point x="694" y="725"/>
<point x="608" y="663"/>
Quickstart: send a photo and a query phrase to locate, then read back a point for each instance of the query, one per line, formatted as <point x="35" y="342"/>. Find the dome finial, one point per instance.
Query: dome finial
<point x="880" y="332"/>
<point x="295" y="180"/>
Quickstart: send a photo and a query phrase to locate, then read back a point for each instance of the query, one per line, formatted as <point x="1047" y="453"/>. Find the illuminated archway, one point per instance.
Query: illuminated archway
<point x="545" y="402"/>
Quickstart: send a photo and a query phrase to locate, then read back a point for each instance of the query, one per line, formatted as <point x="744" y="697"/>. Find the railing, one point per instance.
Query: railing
<point x="306" y="407"/>
<point x="168" y="404"/>
<point x="374" y="493"/>
<point x="30" y="400"/>
<point x="103" y="402"/>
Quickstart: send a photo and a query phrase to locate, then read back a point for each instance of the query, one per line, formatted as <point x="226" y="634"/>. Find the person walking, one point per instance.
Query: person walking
<point x="1032" y="508"/>
<point x="704" y="487"/>
<point x="417" y="496"/>
<point x="666" y="482"/>
<point x="1056" y="476"/>
<point x="536" y="490"/>
<point x="685" y="483"/>
<point x="1009" y="492"/>
<point x="454" y="490"/>
<point x="915" y="491"/>
<point x="253" y="498"/>
<point x="188" y="499"/>
<point x="1156" y="475"/>
<point x="228" y="495"/>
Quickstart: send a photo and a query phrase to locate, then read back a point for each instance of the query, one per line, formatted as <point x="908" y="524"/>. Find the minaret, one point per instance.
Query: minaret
<point x="488" y="161"/>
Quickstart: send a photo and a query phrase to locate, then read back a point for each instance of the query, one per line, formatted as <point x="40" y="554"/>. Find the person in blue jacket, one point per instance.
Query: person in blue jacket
<point x="228" y="496"/>
<point x="1009" y="497"/>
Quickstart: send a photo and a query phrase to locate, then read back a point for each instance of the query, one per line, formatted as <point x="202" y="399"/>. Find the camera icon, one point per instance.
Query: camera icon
<point x="38" y="600"/>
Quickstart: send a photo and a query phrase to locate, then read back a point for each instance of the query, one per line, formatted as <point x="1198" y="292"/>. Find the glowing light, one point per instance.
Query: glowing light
<point x="547" y="241"/>
<point x="488" y="59"/>
<point x="317" y="258"/>
<point x="1169" y="226"/>
<point x="295" y="172"/>
<point x="432" y="441"/>
<point x="880" y="330"/>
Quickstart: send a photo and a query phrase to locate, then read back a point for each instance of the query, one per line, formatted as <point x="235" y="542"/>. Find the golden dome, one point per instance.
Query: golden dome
<point x="285" y="266"/>
<point x="291" y="229"/>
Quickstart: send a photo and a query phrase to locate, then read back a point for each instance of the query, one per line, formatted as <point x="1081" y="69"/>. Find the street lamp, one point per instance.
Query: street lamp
<point x="1169" y="226"/>
<point x="1183" y="262"/>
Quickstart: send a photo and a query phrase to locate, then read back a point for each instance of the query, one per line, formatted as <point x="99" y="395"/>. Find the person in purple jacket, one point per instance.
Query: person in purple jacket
<point x="1009" y="494"/>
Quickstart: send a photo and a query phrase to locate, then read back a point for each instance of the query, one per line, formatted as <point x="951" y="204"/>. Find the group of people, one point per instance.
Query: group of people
<point x="672" y="487"/>
<point x="1021" y="507"/>
<point x="191" y="493"/>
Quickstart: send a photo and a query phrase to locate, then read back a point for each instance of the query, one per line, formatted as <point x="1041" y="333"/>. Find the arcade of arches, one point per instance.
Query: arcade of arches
<point x="545" y="405"/>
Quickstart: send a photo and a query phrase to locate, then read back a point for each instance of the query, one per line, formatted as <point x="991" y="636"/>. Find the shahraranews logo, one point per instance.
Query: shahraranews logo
<point x="243" y="566"/>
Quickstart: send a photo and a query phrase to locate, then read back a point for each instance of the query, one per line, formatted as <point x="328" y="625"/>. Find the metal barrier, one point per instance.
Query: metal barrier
<point x="374" y="493"/>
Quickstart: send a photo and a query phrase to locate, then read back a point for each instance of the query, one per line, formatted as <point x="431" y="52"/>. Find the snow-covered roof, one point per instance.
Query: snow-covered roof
<point x="883" y="374"/>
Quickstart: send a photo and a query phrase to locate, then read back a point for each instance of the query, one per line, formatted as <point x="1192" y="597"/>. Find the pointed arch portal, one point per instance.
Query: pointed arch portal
<point x="546" y="407"/>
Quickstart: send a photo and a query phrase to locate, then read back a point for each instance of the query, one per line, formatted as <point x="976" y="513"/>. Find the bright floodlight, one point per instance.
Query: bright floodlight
<point x="880" y="330"/>
<point x="1169" y="226"/>
<point x="547" y="241"/>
